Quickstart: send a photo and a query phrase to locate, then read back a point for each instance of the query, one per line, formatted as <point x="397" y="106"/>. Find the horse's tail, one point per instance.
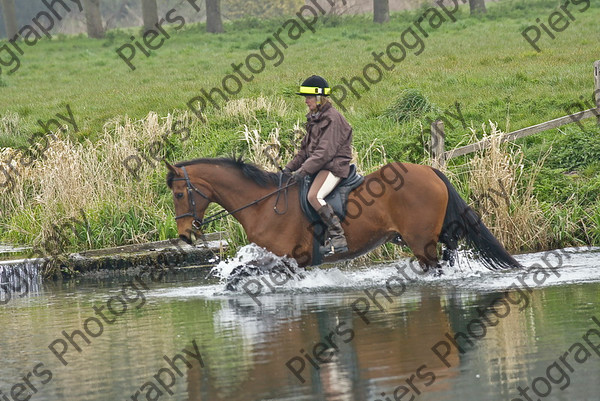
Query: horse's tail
<point x="462" y="223"/>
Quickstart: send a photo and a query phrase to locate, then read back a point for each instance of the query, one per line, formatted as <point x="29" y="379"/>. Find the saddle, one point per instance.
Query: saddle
<point x="337" y="199"/>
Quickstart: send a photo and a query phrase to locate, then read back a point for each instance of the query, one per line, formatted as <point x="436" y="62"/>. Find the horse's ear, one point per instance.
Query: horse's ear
<point x="171" y="167"/>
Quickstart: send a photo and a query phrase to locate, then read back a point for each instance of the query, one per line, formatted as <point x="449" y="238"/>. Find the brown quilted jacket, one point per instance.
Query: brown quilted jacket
<point x="327" y="144"/>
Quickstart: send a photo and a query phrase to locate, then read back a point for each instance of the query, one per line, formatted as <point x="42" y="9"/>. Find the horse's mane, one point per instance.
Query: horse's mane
<point x="251" y="171"/>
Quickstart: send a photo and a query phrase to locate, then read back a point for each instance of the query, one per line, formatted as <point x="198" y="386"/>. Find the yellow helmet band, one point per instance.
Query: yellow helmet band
<point x="312" y="90"/>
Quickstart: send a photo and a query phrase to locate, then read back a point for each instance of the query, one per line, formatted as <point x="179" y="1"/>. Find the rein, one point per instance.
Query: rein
<point x="198" y="223"/>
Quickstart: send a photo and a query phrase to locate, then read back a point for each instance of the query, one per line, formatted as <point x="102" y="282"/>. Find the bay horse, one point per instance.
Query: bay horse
<point x="407" y="204"/>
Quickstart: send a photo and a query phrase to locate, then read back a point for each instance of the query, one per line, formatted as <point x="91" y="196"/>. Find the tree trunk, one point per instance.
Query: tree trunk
<point x="10" y="18"/>
<point x="381" y="11"/>
<point x="93" y="18"/>
<point x="150" y="14"/>
<point x="477" y="7"/>
<point x="214" y="24"/>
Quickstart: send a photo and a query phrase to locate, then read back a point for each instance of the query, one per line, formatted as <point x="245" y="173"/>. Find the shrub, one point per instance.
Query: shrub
<point x="409" y="105"/>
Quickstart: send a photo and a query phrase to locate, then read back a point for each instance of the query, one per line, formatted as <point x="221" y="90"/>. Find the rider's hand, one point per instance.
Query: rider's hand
<point x="299" y="174"/>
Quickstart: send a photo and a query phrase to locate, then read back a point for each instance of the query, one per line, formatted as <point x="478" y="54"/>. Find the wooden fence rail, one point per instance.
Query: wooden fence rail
<point x="440" y="156"/>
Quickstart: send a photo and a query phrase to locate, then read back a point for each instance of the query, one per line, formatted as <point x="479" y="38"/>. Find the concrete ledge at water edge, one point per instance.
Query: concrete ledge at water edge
<point x="168" y="254"/>
<point x="161" y="254"/>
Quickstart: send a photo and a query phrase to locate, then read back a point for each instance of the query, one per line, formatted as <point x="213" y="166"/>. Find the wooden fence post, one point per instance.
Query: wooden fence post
<point x="437" y="143"/>
<point x="597" y="87"/>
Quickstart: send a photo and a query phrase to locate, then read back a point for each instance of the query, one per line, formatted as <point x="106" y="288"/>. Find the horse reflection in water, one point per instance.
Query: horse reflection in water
<point x="381" y="356"/>
<point x="415" y="205"/>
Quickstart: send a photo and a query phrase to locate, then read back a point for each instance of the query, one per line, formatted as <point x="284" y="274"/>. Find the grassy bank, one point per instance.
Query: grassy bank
<point x="482" y="63"/>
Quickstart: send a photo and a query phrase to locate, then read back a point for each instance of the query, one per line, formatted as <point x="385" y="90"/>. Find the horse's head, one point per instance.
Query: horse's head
<point x="191" y="196"/>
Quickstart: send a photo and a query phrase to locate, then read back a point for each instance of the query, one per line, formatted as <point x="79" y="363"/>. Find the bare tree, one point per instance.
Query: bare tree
<point x="381" y="11"/>
<point x="150" y="14"/>
<point x="93" y="18"/>
<point x="214" y="24"/>
<point x="10" y="18"/>
<point x="477" y="7"/>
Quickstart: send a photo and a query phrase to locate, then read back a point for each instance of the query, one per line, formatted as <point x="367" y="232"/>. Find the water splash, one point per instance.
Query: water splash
<point x="467" y="273"/>
<point x="246" y="256"/>
<point x="252" y="261"/>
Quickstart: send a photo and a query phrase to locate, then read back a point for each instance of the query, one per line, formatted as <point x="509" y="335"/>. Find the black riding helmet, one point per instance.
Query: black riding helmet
<point x="314" y="86"/>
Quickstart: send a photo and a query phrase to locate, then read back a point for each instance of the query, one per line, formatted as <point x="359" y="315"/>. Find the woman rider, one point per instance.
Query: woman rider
<point x="326" y="151"/>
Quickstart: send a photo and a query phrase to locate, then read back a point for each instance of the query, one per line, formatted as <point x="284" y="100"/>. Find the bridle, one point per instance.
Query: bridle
<point x="191" y="188"/>
<point x="198" y="223"/>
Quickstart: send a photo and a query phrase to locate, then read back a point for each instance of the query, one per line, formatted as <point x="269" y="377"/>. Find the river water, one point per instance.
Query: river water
<point x="381" y="332"/>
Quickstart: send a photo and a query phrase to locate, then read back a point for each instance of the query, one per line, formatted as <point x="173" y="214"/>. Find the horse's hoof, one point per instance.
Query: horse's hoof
<point x="449" y="255"/>
<point x="438" y="272"/>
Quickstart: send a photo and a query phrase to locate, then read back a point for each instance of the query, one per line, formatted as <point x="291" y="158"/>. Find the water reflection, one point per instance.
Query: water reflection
<point x="306" y="347"/>
<point x="307" y="344"/>
<point x="300" y="347"/>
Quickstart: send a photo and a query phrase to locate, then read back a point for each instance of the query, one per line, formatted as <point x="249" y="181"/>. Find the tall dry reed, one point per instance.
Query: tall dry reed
<point x="72" y="179"/>
<point x="499" y="187"/>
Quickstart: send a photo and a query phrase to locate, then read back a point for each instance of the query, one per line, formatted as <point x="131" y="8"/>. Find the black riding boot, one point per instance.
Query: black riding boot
<point x="337" y="241"/>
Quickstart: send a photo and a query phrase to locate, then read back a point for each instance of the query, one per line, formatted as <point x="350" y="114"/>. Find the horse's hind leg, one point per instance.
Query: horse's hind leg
<point x="425" y="250"/>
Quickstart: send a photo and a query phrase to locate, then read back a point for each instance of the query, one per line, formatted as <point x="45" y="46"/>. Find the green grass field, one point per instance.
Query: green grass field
<point x="482" y="63"/>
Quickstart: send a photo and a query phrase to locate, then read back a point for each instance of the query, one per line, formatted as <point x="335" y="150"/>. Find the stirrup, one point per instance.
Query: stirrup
<point x="329" y="249"/>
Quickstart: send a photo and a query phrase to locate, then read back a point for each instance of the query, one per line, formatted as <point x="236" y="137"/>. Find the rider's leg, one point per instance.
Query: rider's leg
<point x="322" y="186"/>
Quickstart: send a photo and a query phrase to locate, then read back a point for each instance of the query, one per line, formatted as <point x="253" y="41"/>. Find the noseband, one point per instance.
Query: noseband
<point x="197" y="223"/>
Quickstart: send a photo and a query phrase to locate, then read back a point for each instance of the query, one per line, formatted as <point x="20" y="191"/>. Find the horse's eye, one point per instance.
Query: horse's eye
<point x="179" y="195"/>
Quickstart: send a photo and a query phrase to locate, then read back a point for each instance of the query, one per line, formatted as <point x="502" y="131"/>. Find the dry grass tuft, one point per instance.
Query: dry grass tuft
<point x="246" y="108"/>
<point x="501" y="192"/>
<point x="89" y="177"/>
<point x="263" y="152"/>
<point x="9" y="125"/>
